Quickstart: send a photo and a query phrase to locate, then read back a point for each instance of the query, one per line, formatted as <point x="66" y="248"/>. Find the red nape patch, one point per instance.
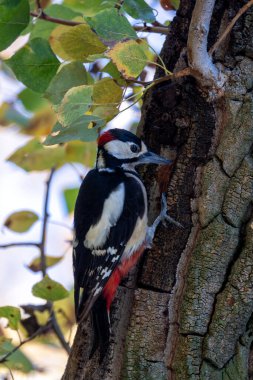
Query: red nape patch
<point x="105" y="138"/>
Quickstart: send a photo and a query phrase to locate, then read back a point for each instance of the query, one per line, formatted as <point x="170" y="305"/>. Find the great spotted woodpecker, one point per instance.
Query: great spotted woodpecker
<point x="111" y="230"/>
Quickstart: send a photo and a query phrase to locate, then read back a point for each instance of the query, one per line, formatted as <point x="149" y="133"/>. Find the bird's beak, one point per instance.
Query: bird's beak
<point x="152" y="158"/>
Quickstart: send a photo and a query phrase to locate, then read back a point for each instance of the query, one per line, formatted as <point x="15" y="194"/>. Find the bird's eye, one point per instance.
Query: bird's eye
<point x="134" y="148"/>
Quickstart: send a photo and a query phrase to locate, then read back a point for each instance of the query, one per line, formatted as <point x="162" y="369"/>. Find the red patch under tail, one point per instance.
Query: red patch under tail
<point x="119" y="273"/>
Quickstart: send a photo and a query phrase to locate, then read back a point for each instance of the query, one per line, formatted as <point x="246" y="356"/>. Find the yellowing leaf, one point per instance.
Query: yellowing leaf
<point x="129" y="57"/>
<point x="77" y="151"/>
<point x="49" y="290"/>
<point x="42" y="317"/>
<point x="107" y="96"/>
<point x="34" y="156"/>
<point x="12" y="314"/>
<point x="41" y="123"/>
<point x="21" y="221"/>
<point x="75" y="43"/>
<point x="35" y="265"/>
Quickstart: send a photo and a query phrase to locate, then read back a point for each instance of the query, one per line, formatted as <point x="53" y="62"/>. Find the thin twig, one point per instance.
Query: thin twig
<point x="38" y="6"/>
<point x="45" y="217"/>
<point x="230" y="27"/>
<point x="40" y="331"/>
<point x="44" y="225"/>
<point x="119" y="4"/>
<point x="152" y="29"/>
<point x="182" y="73"/>
<point x="55" y="20"/>
<point x="11" y="374"/>
<point x="148" y="29"/>
<point x="20" y="244"/>
<point x="59" y="333"/>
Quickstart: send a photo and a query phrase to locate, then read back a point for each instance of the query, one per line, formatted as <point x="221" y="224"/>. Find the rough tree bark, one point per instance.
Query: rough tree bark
<point x="187" y="312"/>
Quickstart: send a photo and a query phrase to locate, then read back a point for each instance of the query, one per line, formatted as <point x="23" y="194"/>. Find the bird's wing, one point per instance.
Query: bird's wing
<point x="107" y="209"/>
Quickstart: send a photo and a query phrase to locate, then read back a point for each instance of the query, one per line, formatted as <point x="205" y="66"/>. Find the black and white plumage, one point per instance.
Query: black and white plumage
<point x="110" y="223"/>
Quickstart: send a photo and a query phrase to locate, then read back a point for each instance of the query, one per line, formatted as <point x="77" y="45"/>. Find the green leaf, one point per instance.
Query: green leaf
<point x="129" y="57"/>
<point x="68" y="76"/>
<point x="34" y="156"/>
<point x="75" y="103"/>
<point x="3" y="343"/>
<point x="17" y="361"/>
<point x="14" y="17"/>
<point x="12" y="314"/>
<point x="175" y="3"/>
<point x="35" y="265"/>
<point x="90" y="7"/>
<point x="21" y="221"/>
<point x="9" y="114"/>
<point x="43" y="29"/>
<point x="111" y="26"/>
<point x="31" y="100"/>
<point x="75" y="43"/>
<point x="139" y="9"/>
<point x="83" y="129"/>
<point x="70" y="196"/>
<point x="49" y="290"/>
<point x="35" y="65"/>
<point x="112" y="70"/>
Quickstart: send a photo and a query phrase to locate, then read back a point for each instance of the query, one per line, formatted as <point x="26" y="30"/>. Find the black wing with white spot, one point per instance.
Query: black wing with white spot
<point x="99" y="213"/>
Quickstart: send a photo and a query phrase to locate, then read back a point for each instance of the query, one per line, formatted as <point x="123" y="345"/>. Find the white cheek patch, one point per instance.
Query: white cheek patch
<point x="119" y="149"/>
<point x="113" y="206"/>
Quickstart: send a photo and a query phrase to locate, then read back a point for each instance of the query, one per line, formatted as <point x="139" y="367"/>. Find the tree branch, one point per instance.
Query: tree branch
<point x="20" y="244"/>
<point x="148" y="29"/>
<point x="45" y="217"/>
<point x="230" y="27"/>
<point x="59" y="333"/>
<point x="199" y="60"/>
<point x="40" y="331"/>
<point x="44" y="224"/>
<point x="182" y="73"/>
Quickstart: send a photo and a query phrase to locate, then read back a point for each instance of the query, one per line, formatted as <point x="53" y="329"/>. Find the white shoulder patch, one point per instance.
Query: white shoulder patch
<point x="113" y="206"/>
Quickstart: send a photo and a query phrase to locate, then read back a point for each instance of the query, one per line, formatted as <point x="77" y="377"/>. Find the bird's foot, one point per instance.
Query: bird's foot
<point x="163" y="217"/>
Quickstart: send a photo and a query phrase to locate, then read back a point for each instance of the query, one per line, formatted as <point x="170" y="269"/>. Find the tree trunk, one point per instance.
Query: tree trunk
<point x="186" y="313"/>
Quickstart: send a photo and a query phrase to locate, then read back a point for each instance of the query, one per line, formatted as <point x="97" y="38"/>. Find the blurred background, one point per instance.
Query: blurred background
<point x="24" y="115"/>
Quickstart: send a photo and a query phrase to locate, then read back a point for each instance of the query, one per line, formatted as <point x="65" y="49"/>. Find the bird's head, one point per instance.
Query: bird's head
<point x="121" y="148"/>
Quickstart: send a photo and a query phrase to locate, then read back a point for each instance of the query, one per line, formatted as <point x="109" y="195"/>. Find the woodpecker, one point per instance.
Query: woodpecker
<point x="111" y="227"/>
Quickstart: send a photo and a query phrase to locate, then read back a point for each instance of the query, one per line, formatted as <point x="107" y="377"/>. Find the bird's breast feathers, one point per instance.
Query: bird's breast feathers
<point x="113" y="210"/>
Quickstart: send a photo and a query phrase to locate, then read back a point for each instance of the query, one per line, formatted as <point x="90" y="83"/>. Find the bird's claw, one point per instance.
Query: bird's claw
<point x="164" y="218"/>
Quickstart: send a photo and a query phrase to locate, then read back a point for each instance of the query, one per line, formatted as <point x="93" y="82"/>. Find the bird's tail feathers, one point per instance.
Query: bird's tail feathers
<point x="101" y="328"/>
